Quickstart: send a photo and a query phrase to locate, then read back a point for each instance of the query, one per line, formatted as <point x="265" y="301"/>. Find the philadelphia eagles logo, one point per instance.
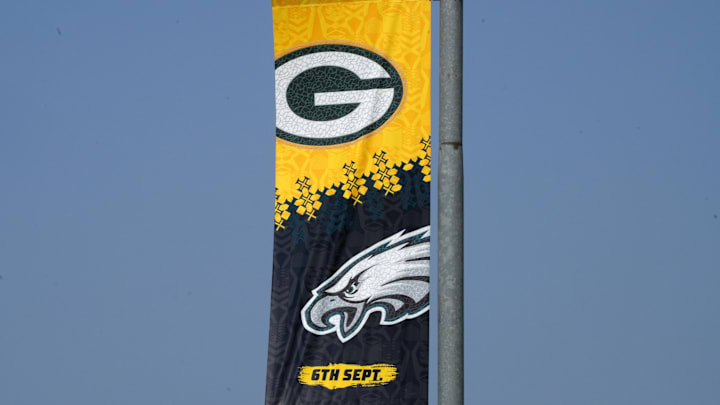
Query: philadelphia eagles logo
<point x="391" y="277"/>
<point x="330" y="94"/>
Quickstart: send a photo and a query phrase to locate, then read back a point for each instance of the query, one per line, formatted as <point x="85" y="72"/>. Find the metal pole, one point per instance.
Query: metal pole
<point x="450" y="200"/>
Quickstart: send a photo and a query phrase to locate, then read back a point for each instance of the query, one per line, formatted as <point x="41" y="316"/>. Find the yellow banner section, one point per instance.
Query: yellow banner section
<point x="334" y="376"/>
<point x="280" y="3"/>
<point x="385" y="40"/>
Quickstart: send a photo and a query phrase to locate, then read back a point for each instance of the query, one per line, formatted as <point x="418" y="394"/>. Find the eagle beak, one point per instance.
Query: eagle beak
<point x="323" y="312"/>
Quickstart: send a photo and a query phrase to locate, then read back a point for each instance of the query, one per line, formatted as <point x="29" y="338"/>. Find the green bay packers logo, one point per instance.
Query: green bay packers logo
<point x="331" y="94"/>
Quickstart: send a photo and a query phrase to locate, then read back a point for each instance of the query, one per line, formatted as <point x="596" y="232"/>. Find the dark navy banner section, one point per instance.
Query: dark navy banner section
<point x="308" y="254"/>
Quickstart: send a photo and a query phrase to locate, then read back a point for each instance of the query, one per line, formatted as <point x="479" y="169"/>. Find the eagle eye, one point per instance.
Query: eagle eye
<point x="351" y="288"/>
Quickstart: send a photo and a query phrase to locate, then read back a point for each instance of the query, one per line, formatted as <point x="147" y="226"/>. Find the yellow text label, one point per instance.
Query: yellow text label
<point x="334" y="376"/>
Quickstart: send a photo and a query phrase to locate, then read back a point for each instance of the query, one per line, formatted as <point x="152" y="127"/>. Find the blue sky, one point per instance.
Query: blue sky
<point x="136" y="190"/>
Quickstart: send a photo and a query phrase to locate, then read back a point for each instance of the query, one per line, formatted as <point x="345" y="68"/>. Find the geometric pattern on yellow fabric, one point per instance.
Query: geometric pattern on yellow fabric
<point x="308" y="202"/>
<point x="399" y="30"/>
<point x="383" y="176"/>
<point x="425" y="159"/>
<point x="354" y="187"/>
<point x="281" y="213"/>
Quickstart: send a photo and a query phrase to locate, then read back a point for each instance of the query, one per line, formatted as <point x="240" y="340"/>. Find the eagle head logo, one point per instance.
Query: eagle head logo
<point x="391" y="277"/>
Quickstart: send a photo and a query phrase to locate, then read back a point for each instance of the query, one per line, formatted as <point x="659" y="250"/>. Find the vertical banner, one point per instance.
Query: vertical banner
<point x="351" y="270"/>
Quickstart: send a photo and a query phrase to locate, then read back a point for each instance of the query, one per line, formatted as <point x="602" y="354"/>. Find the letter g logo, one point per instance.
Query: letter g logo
<point x="334" y="93"/>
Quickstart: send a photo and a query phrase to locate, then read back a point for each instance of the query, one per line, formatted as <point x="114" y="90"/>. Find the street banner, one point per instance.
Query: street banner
<point x="351" y="261"/>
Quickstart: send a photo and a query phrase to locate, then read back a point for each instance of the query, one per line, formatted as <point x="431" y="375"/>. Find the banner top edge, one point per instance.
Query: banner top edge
<point x="295" y="3"/>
